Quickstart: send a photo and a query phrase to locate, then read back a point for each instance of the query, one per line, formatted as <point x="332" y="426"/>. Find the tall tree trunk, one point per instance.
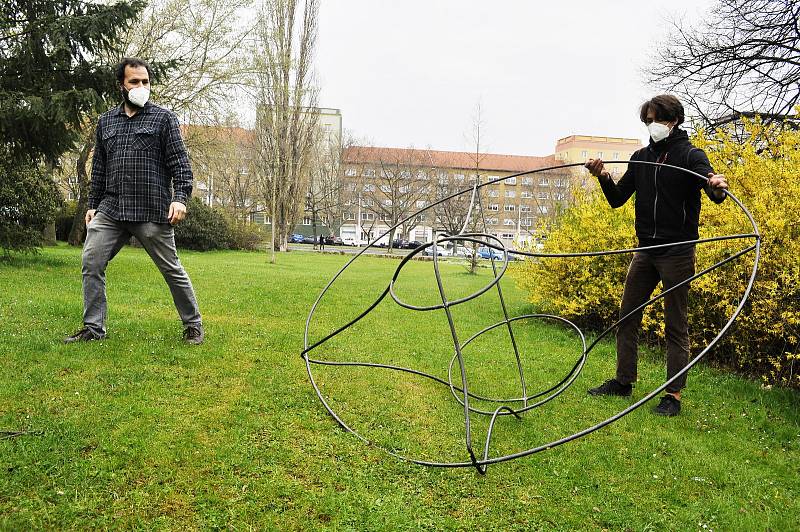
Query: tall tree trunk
<point x="274" y="223"/>
<point x="49" y="228"/>
<point x="76" y="234"/>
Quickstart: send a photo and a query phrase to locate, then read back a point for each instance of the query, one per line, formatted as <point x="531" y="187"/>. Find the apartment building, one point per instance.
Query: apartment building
<point x="383" y="186"/>
<point x="580" y="148"/>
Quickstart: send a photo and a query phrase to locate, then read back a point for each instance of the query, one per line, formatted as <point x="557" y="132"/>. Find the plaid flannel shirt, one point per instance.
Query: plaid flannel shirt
<point x="140" y="165"/>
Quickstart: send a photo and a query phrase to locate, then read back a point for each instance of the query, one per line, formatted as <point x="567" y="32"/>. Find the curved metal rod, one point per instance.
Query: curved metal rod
<point x="482" y="467"/>
<point x="565" y="381"/>
<point x="469" y="237"/>
<point x="485" y="461"/>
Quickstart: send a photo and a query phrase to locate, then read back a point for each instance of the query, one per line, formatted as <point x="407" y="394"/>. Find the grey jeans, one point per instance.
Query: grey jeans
<point x="644" y="273"/>
<point x="104" y="238"/>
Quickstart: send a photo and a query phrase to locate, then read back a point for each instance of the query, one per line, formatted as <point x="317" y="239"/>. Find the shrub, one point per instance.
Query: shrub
<point x="204" y="228"/>
<point x="246" y="236"/>
<point x="762" y="172"/>
<point x="28" y="201"/>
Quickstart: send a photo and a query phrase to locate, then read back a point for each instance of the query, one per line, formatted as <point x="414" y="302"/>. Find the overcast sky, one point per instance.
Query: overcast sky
<point x="411" y="72"/>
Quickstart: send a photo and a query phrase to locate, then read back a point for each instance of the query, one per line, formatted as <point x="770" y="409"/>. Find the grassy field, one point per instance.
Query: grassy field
<point x="142" y="431"/>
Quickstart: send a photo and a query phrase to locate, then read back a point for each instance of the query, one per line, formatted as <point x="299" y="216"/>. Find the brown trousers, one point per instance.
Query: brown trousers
<point x="644" y="273"/>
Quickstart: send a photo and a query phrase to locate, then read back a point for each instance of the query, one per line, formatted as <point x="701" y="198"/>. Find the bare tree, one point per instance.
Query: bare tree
<point x="224" y="168"/>
<point x="286" y="115"/>
<point x="203" y="44"/>
<point x="742" y="59"/>
<point x="325" y="201"/>
<point x="464" y="213"/>
<point x="401" y="181"/>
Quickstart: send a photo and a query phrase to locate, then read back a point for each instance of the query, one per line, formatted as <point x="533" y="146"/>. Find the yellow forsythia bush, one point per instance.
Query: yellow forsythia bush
<point x="764" y="173"/>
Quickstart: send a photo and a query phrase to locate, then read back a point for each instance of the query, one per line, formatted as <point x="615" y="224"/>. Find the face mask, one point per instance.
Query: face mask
<point x="658" y="132"/>
<point x="137" y="96"/>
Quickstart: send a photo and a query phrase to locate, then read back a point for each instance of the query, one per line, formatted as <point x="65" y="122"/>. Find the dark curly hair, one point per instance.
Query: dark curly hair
<point x="131" y="62"/>
<point x="666" y="107"/>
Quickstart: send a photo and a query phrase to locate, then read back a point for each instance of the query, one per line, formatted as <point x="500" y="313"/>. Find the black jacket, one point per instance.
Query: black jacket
<point x="667" y="200"/>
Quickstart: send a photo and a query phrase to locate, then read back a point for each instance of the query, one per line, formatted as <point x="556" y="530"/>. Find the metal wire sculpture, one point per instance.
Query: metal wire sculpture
<point x="526" y="401"/>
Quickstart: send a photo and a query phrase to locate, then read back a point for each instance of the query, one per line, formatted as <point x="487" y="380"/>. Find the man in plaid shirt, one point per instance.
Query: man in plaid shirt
<point x="141" y="181"/>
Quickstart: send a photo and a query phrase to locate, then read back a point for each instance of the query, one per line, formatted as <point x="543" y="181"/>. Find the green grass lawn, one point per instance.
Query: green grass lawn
<point x="142" y="431"/>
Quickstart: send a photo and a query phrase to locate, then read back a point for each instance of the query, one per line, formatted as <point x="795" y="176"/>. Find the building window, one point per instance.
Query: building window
<point x="368" y="216"/>
<point x="369" y="187"/>
<point x="386" y="217"/>
<point x="387" y="203"/>
<point x="544" y="182"/>
<point x="561" y="183"/>
<point x="421" y="204"/>
<point x="494" y="207"/>
<point x="458" y="177"/>
<point x="527" y="222"/>
<point x="405" y="174"/>
<point x="350" y="172"/>
<point x="260" y="218"/>
<point x="403" y="189"/>
<point x="367" y="202"/>
<point x="511" y="194"/>
<point x="369" y="172"/>
<point x="511" y="181"/>
<point x="507" y="236"/>
<point x="543" y="195"/>
<point x="527" y="180"/>
<point x="509" y="208"/>
<point x="543" y="209"/>
<point x="348" y="216"/>
<point x="386" y="189"/>
<point x="524" y="208"/>
<point x="616" y="156"/>
<point x="584" y="154"/>
<point x="558" y="196"/>
<point x="306" y="221"/>
<point x="599" y="155"/>
<point x="492" y="177"/>
<point x="508" y="221"/>
<point x="494" y="193"/>
<point x="491" y="221"/>
<point x="525" y="195"/>
<point x="421" y="174"/>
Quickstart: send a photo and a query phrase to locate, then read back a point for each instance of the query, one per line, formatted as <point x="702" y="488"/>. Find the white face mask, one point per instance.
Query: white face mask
<point x="658" y="132"/>
<point x="139" y="96"/>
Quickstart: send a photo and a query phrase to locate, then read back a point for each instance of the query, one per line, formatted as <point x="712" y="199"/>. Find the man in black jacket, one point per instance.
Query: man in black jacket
<point x="667" y="209"/>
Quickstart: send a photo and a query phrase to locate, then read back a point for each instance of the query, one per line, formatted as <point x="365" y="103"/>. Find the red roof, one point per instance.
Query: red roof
<point x="446" y="159"/>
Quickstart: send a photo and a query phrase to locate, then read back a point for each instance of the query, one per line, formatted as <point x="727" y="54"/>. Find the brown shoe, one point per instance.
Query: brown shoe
<point x="194" y="334"/>
<point x="84" y="335"/>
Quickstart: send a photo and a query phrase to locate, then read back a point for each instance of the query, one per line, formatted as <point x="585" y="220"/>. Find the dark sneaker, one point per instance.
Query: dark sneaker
<point x="194" y="334"/>
<point x="84" y="335"/>
<point x="669" y="406"/>
<point x="612" y="387"/>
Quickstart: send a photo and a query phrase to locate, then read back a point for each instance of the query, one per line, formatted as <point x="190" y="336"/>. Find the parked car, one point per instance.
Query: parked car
<point x="485" y="252"/>
<point x="331" y="240"/>
<point x="463" y="251"/>
<point x="309" y="240"/>
<point x="351" y="241"/>
<point x="414" y="244"/>
<point x="296" y="238"/>
<point x="442" y="252"/>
